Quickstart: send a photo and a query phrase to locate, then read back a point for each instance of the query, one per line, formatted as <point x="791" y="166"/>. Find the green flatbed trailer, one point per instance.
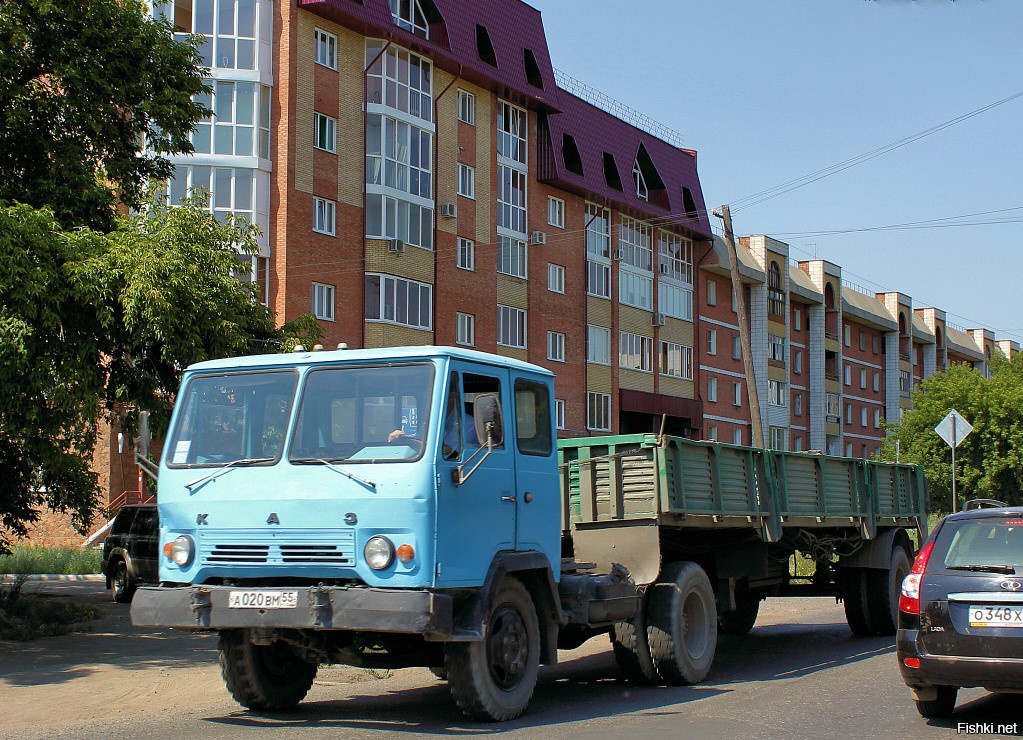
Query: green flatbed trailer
<point x="708" y="530"/>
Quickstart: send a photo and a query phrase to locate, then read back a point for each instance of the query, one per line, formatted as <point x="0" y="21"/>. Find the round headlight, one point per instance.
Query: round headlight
<point x="379" y="552"/>
<point x="182" y="549"/>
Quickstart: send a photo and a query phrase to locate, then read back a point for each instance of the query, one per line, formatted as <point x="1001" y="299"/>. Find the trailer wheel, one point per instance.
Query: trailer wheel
<point x="632" y="652"/>
<point x="857" y="602"/>
<point x="741" y="621"/>
<point x="263" y="677"/>
<point x="682" y="624"/>
<point x="493" y="679"/>
<point x="883" y="590"/>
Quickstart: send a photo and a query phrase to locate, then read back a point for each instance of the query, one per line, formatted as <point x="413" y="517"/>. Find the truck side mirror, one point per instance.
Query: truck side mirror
<point x="142" y="443"/>
<point x="487" y="416"/>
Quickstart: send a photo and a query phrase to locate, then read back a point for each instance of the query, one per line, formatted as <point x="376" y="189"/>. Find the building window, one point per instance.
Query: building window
<point x="877" y="418"/>
<point x="677" y="360"/>
<point x="877" y="344"/>
<point x="712" y="389"/>
<point x="598" y="232"/>
<point x="635" y="244"/>
<point x="466" y="258"/>
<point x="675" y="300"/>
<point x="737" y="437"/>
<point x="737" y="394"/>
<point x="775" y="393"/>
<point x="797" y="404"/>
<point x="598" y="411"/>
<point x="466" y="181"/>
<point x="559" y="413"/>
<point x="511" y="199"/>
<point x="598" y="279"/>
<point x="598" y="345"/>
<point x="642" y="192"/>
<point x="555" y="278"/>
<point x="712" y="341"/>
<point x="398" y="156"/>
<point x="233" y="44"/>
<point x="241" y="110"/>
<point x="797" y="319"/>
<point x="877" y="382"/>
<point x="634" y="352"/>
<point x="863" y="417"/>
<point x="797" y="443"/>
<point x="511" y="132"/>
<point x="846" y="335"/>
<point x="863" y="341"/>
<point x="712" y="292"/>
<point x="863" y="379"/>
<point x="848" y="374"/>
<point x="326" y="48"/>
<point x="775" y="296"/>
<point x="848" y="449"/>
<point x="776" y="345"/>
<point x="395" y="300"/>
<point x="325" y="133"/>
<point x="555" y="212"/>
<point x="511" y="256"/>
<point x="675" y="257"/>
<point x="712" y="433"/>
<point x="555" y="346"/>
<point x="395" y="218"/>
<point x="323" y="301"/>
<point x="848" y="413"/>
<point x="904" y="381"/>
<point x="777" y="438"/>
<point x="228" y="191"/>
<point x="797" y="361"/>
<point x="833" y="405"/>
<point x="399" y="79"/>
<point x="323" y="216"/>
<point x="511" y="327"/>
<point x="408" y="14"/>
<point x="635" y="290"/>
<point x="467" y="107"/>
<point x="737" y="347"/>
<point x="465" y="329"/>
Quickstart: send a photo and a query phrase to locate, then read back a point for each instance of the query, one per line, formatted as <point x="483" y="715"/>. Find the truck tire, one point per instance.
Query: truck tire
<point x="857" y="602"/>
<point x="741" y="621"/>
<point x="632" y="653"/>
<point x="122" y="585"/>
<point x="682" y="624"/>
<point x="493" y="679"/>
<point x="263" y="677"/>
<point x="883" y="590"/>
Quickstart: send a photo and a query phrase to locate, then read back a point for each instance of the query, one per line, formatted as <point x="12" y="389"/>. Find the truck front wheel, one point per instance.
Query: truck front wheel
<point x="493" y="679"/>
<point x="263" y="677"/>
<point x="682" y="623"/>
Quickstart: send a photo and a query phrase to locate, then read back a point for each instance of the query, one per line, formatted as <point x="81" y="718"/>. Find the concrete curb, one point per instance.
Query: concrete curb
<point x="90" y="577"/>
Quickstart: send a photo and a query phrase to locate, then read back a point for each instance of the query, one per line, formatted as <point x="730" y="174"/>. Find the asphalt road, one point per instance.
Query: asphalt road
<point x="800" y="673"/>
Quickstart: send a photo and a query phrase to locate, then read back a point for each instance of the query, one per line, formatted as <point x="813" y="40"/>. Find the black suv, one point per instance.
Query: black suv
<point x="130" y="550"/>
<point x="961" y="611"/>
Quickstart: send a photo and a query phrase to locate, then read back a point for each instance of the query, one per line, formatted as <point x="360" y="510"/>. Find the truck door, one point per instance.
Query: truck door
<point x="476" y="519"/>
<point x="531" y="434"/>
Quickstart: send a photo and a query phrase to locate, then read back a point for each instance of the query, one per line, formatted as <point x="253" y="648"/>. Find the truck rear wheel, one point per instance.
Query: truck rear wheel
<point x="493" y="678"/>
<point x="857" y="602"/>
<point x="740" y="621"/>
<point x="883" y="590"/>
<point x="632" y="653"/>
<point x="682" y="624"/>
<point x="263" y="677"/>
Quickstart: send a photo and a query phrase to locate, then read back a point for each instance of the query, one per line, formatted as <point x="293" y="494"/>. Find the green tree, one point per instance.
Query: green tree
<point x="989" y="463"/>
<point x="80" y="88"/>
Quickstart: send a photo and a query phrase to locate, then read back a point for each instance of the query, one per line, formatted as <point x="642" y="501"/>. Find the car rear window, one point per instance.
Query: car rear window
<point x="987" y="541"/>
<point x="122" y="523"/>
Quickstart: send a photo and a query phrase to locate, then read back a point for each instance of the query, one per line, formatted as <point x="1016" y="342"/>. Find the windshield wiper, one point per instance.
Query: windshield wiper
<point x="1006" y="569"/>
<point x="330" y="464"/>
<point x="215" y="473"/>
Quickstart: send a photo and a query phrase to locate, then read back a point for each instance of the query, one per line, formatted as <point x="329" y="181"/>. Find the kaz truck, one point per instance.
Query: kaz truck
<point x="413" y="507"/>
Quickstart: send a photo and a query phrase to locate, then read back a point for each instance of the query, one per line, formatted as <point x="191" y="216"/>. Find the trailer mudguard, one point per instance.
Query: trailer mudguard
<point x="877" y="553"/>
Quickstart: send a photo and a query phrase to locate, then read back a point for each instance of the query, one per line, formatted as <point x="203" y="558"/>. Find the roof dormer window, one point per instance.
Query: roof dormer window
<point x="641" y="189"/>
<point x="408" y="14"/>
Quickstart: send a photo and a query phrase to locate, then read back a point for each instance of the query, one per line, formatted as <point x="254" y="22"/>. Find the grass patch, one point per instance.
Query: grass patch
<point x="24" y="617"/>
<point x="26" y="559"/>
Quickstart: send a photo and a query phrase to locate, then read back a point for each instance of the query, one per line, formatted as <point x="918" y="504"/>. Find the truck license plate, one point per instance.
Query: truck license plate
<point x="262" y="599"/>
<point x="996" y="616"/>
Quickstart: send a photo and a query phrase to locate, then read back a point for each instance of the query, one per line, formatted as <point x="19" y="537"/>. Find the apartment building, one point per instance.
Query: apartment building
<point x="832" y="360"/>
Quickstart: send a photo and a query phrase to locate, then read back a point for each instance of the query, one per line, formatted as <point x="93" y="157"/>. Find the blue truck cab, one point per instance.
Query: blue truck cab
<point x="370" y="507"/>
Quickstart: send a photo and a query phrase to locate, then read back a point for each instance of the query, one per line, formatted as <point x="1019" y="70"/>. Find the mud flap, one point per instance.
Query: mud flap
<point x="632" y="543"/>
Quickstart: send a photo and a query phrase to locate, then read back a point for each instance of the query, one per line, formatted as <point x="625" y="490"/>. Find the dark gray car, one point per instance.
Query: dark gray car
<point x="961" y="611"/>
<point x="130" y="550"/>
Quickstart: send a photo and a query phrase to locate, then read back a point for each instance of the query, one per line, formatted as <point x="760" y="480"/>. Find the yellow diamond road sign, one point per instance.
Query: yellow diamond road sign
<point x="953" y="428"/>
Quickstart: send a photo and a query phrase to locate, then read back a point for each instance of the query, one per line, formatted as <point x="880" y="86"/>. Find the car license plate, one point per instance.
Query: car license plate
<point x="996" y="616"/>
<point x="262" y="599"/>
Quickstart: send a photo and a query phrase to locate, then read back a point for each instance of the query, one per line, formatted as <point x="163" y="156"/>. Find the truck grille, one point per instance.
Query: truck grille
<point x="280" y="547"/>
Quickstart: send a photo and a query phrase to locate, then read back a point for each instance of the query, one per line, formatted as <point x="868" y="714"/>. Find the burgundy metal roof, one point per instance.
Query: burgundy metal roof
<point x="597" y="132"/>
<point x="512" y="26"/>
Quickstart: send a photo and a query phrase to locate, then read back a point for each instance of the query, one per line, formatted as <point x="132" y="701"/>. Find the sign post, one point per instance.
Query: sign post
<point x="954" y="429"/>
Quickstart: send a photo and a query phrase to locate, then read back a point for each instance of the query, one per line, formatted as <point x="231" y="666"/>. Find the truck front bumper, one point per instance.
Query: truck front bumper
<point x="318" y="608"/>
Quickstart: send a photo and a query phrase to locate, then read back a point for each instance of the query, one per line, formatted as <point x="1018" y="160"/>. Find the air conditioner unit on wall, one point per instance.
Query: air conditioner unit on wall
<point x="449" y="210"/>
<point x="619" y="254"/>
<point x="664" y="269"/>
<point x="538" y="238"/>
<point x="658" y="319"/>
<point x="395" y="245"/>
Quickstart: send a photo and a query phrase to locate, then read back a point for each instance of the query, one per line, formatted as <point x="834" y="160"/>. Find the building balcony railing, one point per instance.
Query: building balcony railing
<point x="831" y="335"/>
<point x="903" y="356"/>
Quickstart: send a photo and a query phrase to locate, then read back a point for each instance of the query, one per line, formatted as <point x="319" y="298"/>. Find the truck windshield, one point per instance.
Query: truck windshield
<point x="231" y="417"/>
<point x="363" y="414"/>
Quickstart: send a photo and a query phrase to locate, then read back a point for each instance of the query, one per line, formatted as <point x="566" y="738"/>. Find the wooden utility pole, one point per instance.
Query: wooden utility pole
<point x="744" y="336"/>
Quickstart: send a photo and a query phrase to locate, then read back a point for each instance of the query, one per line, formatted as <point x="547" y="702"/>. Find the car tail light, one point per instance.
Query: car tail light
<point x="909" y="602"/>
<point x="1014" y="522"/>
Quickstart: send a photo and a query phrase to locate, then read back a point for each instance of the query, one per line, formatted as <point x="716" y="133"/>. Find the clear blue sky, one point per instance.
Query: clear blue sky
<point x="768" y="92"/>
